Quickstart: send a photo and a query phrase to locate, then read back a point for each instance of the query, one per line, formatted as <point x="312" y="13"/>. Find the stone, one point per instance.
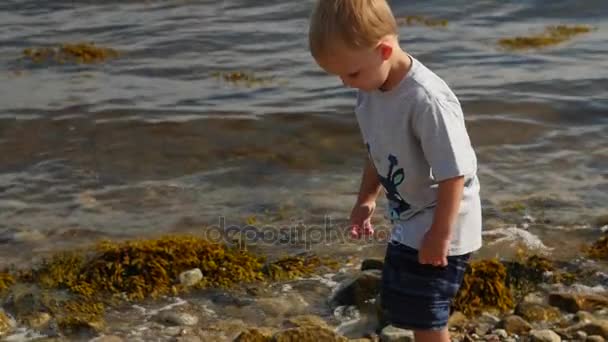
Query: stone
<point x="595" y="338"/>
<point x="491" y="338"/>
<point x="287" y="304"/>
<point x="597" y="327"/>
<point x="457" y="320"/>
<point x="253" y="335"/>
<point x="176" y="318"/>
<point x="544" y="335"/>
<point x="580" y="335"/>
<point x="372" y="264"/>
<point x="502" y="333"/>
<point x="483" y="328"/>
<point x="308" y="334"/>
<point x="584" y="317"/>
<point x="514" y="324"/>
<point x="489" y="318"/>
<point x="107" y="338"/>
<point x="37" y="321"/>
<point x="186" y="339"/>
<point x="172" y="331"/>
<point x="394" y="334"/>
<point x="534" y="312"/>
<point x="358" y="290"/>
<point x="534" y="297"/>
<point x="6" y="324"/>
<point x="573" y="303"/>
<point x="306" y="321"/>
<point x="191" y="277"/>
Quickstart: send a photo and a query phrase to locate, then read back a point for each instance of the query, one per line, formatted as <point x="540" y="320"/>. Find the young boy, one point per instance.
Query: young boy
<point x="419" y="152"/>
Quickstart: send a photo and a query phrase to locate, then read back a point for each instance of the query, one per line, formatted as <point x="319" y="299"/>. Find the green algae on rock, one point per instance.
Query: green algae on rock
<point x="552" y="35"/>
<point x="411" y="20"/>
<point x="484" y="287"/>
<point x="76" y="53"/>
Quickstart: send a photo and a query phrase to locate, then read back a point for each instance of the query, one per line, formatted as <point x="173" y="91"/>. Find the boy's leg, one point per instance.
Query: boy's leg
<point x="442" y="335"/>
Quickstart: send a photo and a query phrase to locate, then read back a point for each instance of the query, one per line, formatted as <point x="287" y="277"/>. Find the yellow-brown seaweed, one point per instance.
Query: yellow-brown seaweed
<point x="6" y="280"/>
<point x="551" y="36"/>
<point x="77" y="53"/>
<point x="484" y="287"/>
<point x="599" y="249"/>
<point x="411" y="20"/>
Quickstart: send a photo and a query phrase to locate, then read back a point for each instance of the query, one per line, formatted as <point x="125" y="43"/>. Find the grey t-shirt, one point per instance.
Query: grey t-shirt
<point x="416" y="137"/>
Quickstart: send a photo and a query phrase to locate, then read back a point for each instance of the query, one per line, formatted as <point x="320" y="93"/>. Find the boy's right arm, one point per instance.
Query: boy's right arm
<point x="366" y="200"/>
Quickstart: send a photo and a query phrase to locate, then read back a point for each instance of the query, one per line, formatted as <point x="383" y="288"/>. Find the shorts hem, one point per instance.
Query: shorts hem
<point x="419" y="327"/>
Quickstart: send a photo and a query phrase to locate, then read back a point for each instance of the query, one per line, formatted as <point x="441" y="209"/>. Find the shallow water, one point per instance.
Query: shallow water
<point x="153" y="142"/>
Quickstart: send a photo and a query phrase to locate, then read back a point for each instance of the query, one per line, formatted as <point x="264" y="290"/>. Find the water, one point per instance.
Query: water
<point x="152" y="142"/>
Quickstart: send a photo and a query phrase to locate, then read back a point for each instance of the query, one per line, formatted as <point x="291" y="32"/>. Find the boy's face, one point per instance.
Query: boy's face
<point x="362" y="69"/>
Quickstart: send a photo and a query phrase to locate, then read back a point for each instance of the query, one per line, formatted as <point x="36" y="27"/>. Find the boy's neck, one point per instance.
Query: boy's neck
<point x="400" y="65"/>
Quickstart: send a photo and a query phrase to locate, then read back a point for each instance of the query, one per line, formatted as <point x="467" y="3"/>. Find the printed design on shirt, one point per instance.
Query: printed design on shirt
<point x="393" y="179"/>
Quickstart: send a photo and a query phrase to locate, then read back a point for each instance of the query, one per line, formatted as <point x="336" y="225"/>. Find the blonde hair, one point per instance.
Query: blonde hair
<point x="353" y="23"/>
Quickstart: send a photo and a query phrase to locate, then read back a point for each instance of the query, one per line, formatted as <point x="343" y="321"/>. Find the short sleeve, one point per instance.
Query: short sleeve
<point x="440" y="127"/>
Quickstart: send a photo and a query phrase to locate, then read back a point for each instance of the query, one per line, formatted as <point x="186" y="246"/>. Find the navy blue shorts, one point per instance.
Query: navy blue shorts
<point x="416" y="296"/>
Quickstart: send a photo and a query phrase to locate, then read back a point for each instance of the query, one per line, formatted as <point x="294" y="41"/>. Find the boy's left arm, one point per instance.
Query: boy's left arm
<point x="436" y="242"/>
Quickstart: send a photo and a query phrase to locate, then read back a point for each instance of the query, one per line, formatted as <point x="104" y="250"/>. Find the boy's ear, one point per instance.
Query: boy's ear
<point x="386" y="51"/>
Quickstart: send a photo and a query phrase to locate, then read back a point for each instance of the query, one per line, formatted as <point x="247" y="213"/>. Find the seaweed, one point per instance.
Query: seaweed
<point x="77" y="52"/>
<point x="552" y="35"/>
<point x="484" y="287"/>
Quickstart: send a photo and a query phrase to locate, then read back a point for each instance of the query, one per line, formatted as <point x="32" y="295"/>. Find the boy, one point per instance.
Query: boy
<point x="419" y="152"/>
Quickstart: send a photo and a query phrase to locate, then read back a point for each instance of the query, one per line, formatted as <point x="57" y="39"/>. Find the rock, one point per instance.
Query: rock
<point x="372" y="264"/>
<point x="534" y="297"/>
<point x="595" y="338"/>
<point x="502" y="333"/>
<point x="394" y="334"/>
<point x="290" y="303"/>
<point x="306" y="321"/>
<point x="38" y="321"/>
<point x="597" y="327"/>
<point x="491" y="338"/>
<point x="6" y="324"/>
<point x="172" y="331"/>
<point x="483" y="328"/>
<point x="580" y="335"/>
<point x="254" y="335"/>
<point x="584" y="317"/>
<point x="457" y="320"/>
<point x="308" y="334"/>
<point x="544" y="336"/>
<point x="489" y="318"/>
<point x="363" y="287"/>
<point x="186" y="339"/>
<point x="573" y="303"/>
<point x="176" y="318"/>
<point x="514" y="324"/>
<point x="191" y="277"/>
<point x="534" y="312"/>
<point x="107" y="338"/>
<point x="346" y="313"/>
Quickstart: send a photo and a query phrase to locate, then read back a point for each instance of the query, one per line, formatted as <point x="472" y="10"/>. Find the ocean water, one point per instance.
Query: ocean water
<point x="155" y="142"/>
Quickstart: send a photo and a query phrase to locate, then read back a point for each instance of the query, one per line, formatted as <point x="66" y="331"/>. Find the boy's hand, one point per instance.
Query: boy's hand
<point x="434" y="249"/>
<point x="360" y="219"/>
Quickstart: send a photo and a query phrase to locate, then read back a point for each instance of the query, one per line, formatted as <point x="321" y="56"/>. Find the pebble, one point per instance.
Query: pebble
<point x="176" y="318"/>
<point x="191" y="277"/>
